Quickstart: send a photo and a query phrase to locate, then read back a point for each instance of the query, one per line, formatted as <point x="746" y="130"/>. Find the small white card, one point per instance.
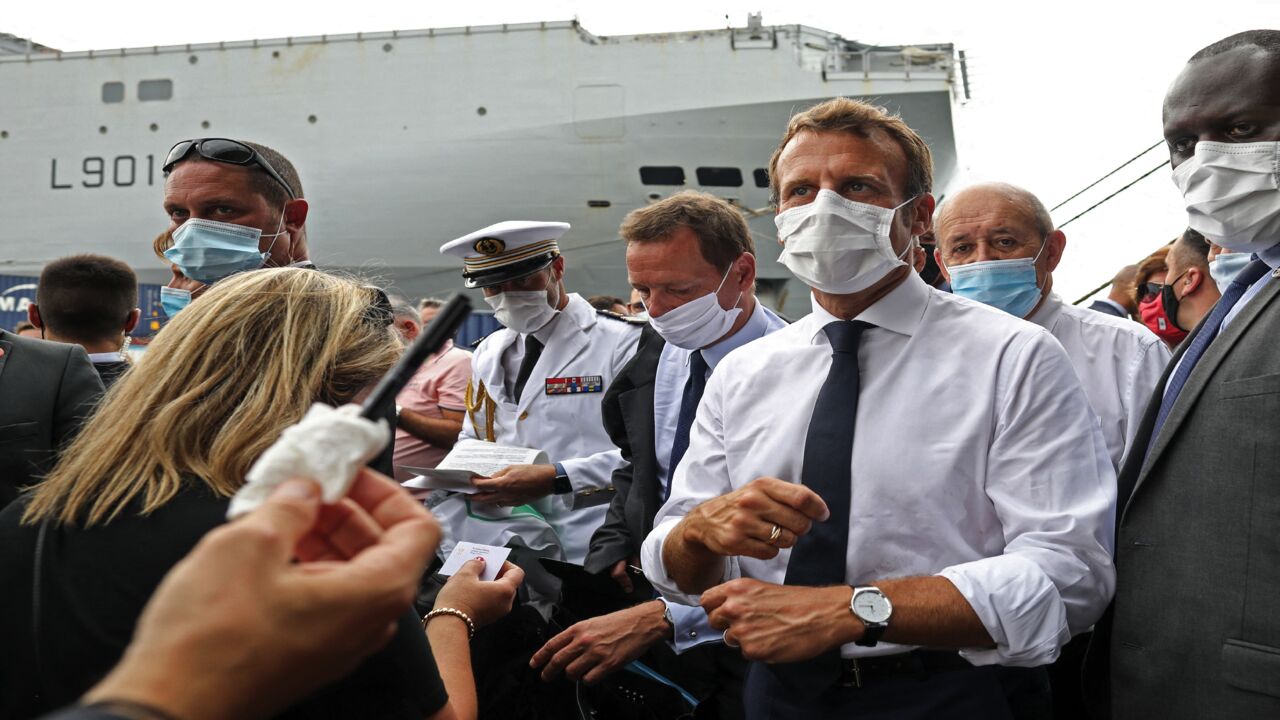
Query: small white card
<point x="464" y="551"/>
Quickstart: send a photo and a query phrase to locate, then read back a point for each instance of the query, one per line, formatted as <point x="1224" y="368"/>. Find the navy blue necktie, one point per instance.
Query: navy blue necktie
<point x="689" y="400"/>
<point x="532" y="351"/>
<point x="818" y="557"/>
<point x="1200" y="343"/>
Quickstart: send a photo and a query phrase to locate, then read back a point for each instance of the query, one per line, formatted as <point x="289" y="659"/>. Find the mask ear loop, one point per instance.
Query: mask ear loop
<point x="1043" y="244"/>
<point x="266" y="255"/>
<point x="721" y="285"/>
<point x="902" y="256"/>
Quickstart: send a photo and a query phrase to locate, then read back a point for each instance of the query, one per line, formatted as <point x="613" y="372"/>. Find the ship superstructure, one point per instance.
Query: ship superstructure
<point x="406" y="139"/>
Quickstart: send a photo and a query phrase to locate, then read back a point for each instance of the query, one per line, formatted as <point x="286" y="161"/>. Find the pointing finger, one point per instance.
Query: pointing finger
<point x="796" y="496"/>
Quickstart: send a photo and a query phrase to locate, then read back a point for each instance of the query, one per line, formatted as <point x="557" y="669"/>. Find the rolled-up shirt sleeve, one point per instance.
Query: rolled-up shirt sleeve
<point x="1051" y="482"/>
<point x="702" y="474"/>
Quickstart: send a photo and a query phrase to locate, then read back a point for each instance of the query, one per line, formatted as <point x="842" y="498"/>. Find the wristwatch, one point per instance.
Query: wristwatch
<point x="561" y="485"/>
<point x="874" y="609"/>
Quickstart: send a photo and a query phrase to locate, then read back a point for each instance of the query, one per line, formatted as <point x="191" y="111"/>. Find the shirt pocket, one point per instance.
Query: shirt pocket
<point x="1252" y="667"/>
<point x="18" y="431"/>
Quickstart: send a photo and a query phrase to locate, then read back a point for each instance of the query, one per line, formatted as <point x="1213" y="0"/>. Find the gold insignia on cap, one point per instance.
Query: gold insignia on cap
<point x="489" y="246"/>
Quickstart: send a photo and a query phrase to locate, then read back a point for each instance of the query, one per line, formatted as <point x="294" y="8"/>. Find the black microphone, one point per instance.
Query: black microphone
<point x="439" y="331"/>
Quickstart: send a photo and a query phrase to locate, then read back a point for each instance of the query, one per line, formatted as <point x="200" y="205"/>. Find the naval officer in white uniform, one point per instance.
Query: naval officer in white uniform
<point x="538" y="382"/>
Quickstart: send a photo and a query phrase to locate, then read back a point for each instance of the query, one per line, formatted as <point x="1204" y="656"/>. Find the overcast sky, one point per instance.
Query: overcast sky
<point x="1063" y="92"/>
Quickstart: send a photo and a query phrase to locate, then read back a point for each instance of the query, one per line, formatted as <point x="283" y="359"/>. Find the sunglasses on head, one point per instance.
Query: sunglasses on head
<point x="232" y="152"/>
<point x="1152" y="289"/>
<point x="379" y="312"/>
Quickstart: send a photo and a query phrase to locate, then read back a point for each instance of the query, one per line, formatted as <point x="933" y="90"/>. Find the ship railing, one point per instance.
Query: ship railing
<point x="925" y="63"/>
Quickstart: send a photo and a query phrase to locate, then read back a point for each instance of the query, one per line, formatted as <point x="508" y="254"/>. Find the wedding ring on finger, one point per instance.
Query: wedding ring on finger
<point x="774" y="534"/>
<point x="727" y="642"/>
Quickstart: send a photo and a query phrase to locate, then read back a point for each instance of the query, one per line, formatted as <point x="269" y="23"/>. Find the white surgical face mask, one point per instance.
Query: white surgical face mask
<point x="697" y="323"/>
<point x="838" y="245"/>
<point x="523" y="310"/>
<point x="1232" y="194"/>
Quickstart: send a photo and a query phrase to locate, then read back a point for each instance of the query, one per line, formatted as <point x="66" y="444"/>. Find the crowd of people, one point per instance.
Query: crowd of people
<point x="943" y="493"/>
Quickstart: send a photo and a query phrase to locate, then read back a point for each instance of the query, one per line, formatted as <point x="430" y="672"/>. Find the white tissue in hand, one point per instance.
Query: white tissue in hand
<point x="329" y="445"/>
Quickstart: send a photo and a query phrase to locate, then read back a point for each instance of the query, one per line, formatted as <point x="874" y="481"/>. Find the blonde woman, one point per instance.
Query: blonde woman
<point x="153" y="471"/>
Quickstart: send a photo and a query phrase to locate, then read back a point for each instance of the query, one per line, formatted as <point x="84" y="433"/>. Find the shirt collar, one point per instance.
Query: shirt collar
<point x="1271" y="256"/>
<point x="444" y="349"/>
<point x="899" y="311"/>
<point x="1046" y="316"/>
<point x="106" y="357"/>
<point x="1119" y="308"/>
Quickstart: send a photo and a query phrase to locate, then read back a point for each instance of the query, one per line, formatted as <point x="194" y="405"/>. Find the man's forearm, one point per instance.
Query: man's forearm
<point x="440" y="432"/>
<point x="690" y="564"/>
<point x="927" y="611"/>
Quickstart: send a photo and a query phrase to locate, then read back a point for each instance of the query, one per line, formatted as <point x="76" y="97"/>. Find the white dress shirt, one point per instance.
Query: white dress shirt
<point x="1118" y="361"/>
<point x="976" y="457"/>
<point x="691" y="626"/>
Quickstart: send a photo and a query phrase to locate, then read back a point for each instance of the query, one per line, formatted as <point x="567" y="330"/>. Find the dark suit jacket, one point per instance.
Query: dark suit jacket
<point x="627" y="412"/>
<point x="110" y="371"/>
<point x="1194" y="629"/>
<point x="1107" y="309"/>
<point x="47" y="389"/>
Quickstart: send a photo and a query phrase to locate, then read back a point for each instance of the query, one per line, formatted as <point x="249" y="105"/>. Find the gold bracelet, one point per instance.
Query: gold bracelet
<point x="471" y="626"/>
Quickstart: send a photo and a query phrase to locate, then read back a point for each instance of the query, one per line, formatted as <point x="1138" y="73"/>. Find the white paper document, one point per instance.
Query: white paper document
<point x="471" y="459"/>
<point x="464" y="551"/>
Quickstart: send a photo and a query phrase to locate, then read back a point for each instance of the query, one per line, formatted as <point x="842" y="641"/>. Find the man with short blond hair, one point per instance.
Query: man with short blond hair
<point x="873" y="551"/>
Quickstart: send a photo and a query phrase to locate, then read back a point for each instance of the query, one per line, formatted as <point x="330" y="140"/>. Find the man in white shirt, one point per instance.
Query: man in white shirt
<point x="691" y="261"/>
<point x="970" y="509"/>
<point x="997" y="245"/>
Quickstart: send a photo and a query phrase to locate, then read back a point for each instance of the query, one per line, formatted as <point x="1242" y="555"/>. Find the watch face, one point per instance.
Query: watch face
<point x="871" y="607"/>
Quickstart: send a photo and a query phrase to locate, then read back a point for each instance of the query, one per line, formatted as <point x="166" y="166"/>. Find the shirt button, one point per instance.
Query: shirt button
<point x="693" y="634"/>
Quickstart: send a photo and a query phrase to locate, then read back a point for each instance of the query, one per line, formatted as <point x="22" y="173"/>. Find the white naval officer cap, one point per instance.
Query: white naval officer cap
<point x="505" y="251"/>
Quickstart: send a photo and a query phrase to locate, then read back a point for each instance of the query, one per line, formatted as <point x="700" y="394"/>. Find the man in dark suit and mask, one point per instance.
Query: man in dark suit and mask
<point x="1194" y="629"/>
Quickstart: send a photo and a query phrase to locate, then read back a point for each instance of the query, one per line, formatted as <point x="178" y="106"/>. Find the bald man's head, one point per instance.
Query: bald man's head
<point x="995" y="222"/>
<point x="1126" y="275"/>
<point x="1012" y="199"/>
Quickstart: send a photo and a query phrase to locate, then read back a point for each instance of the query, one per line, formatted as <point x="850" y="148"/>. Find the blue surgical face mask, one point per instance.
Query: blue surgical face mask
<point x="208" y="250"/>
<point x="1009" y="285"/>
<point x="172" y="300"/>
<point x="1225" y="267"/>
